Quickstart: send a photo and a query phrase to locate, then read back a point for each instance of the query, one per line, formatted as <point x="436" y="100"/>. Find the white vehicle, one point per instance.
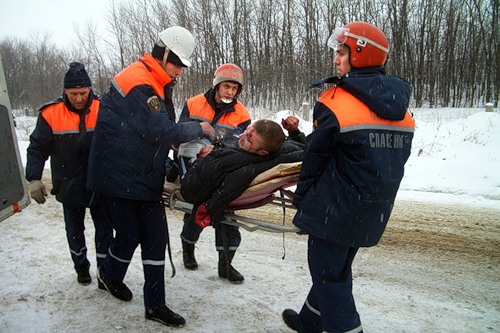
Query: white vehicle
<point x="14" y="194"/>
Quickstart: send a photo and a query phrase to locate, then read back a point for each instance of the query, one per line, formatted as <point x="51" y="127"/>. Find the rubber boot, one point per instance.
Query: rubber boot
<point x="226" y="270"/>
<point x="188" y="256"/>
<point x="290" y="318"/>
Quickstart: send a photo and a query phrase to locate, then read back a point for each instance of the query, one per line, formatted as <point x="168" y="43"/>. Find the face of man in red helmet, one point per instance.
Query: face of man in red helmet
<point x="341" y="60"/>
<point x="226" y="92"/>
<point x="367" y="44"/>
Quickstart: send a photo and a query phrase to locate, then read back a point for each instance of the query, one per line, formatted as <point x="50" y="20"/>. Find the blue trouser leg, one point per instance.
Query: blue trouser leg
<point x="153" y="246"/>
<point x="330" y="304"/>
<point x="103" y="233"/>
<point x="124" y="219"/>
<point x="74" y="223"/>
<point x="233" y="235"/>
<point x="137" y="222"/>
<point x="190" y="230"/>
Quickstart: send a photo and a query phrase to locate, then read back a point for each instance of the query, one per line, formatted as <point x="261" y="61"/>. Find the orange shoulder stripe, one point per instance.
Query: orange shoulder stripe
<point x="353" y="114"/>
<point x="200" y="109"/>
<point x="138" y="74"/>
<point x="64" y="121"/>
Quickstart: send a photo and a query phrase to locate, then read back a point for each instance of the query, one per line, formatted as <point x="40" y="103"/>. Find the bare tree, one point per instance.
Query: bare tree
<point x="34" y="71"/>
<point x="448" y="50"/>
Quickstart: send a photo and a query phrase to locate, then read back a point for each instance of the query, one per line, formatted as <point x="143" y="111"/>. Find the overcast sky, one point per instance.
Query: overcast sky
<point x="24" y="18"/>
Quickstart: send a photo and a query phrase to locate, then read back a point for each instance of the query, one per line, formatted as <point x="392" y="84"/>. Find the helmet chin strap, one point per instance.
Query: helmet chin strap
<point x="226" y="101"/>
<point x="165" y="56"/>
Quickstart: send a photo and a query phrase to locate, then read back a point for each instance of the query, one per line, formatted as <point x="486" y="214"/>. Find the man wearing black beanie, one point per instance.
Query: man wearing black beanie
<point x="76" y="77"/>
<point x="63" y="132"/>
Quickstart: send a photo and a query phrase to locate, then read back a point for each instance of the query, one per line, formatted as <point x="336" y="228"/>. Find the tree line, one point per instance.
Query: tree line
<point x="447" y="49"/>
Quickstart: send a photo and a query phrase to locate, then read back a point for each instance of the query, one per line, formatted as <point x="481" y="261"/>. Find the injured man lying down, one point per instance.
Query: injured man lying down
<point x="212" y="177"/>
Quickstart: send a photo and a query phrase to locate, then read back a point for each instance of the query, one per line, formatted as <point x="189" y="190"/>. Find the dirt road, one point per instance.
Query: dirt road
<point x="435" y="269"/>
<point x="418" y="226"/>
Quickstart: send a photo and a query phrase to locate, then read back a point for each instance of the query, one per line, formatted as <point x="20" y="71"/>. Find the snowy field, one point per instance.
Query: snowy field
<point x="406" y="284"/>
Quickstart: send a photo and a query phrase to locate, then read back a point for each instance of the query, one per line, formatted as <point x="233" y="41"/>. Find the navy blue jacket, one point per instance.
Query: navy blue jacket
<point x="63" y="134"/>
<point x="134" y="133"/>
<point x="354" y="159"/>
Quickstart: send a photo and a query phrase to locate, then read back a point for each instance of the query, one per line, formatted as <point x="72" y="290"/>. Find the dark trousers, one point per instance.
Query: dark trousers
<point x="191" y="233"/>
<point x="74" y="217"/>
<point x="190" y="230"/>
<point x="330" y="304"/>
<point x="137" y="222"/>
<point x="227" y="233"/>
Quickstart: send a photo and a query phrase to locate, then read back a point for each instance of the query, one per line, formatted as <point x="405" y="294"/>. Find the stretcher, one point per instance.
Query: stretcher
<point x="271" y="187"/>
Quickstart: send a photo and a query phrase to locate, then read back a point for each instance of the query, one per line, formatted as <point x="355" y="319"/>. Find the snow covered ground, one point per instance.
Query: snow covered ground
<point x="455" y="163"/>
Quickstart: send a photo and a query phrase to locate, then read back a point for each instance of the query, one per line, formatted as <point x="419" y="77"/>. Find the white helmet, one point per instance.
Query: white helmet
<point x="180" y="41"/>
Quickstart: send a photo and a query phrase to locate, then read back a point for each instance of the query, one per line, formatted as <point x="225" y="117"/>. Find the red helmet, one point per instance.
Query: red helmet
<point x="367" y="44"/>
<point x="228" y="72"/>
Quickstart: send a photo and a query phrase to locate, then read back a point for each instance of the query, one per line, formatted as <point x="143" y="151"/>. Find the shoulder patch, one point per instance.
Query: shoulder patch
<point x="154" y="104"/>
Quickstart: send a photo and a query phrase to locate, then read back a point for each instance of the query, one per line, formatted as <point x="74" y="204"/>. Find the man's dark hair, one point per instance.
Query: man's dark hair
<point x="271" y="133"/>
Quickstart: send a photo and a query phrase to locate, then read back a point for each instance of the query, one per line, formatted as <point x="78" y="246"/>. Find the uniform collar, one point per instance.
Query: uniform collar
<point x="154" y="67"/>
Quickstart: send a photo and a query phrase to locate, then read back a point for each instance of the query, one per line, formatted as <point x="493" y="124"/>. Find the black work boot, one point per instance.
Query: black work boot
<point x="83" y="277"/>
<point x="226" y="270"/>
<point x="188" y="256"/>
<point x="165" y="316"/>
<point x="117" y="289"/>
<point x="290" y="318"/>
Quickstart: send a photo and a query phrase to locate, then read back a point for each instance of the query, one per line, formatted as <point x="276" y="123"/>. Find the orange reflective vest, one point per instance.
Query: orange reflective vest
<point x="201" y="110"/>
<point x="358" y="116"/>
<point x="63" y="121"/>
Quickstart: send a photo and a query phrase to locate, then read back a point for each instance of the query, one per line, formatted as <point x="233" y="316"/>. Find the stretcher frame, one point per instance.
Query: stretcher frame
<point x="268" y="188"/>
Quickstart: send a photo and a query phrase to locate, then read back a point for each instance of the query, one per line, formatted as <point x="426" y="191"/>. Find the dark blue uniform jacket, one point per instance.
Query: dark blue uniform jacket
<point x="66" y="140"/>
<point x="354" y="159"/>
<point x="134" y="133"/>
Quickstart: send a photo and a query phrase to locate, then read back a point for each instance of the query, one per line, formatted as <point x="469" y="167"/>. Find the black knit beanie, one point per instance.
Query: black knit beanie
<point x="76" y="76"/>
